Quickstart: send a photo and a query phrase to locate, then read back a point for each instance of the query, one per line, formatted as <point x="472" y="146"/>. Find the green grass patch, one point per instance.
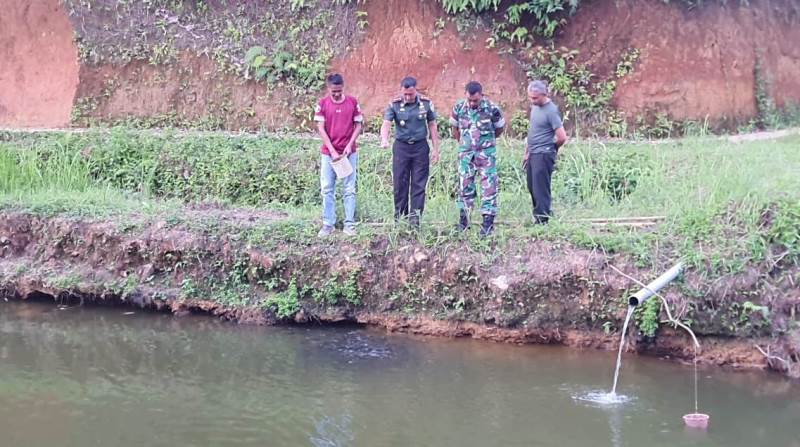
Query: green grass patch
<point x="725" y="204"/>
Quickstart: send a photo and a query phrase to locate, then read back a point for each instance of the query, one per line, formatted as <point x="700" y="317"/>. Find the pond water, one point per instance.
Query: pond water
<point x="112" y="377"/>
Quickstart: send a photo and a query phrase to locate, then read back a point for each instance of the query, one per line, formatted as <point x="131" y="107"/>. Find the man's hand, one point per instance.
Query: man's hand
<point x="384" y="143"/>
<point x="435" y="155"/>
<point x="525" y="159"/>
<point x="334" y="155"/>
<point x="348" y="150"/>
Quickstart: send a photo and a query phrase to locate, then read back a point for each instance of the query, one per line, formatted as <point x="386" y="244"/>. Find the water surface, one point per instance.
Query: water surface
<point x="101" y="377"/>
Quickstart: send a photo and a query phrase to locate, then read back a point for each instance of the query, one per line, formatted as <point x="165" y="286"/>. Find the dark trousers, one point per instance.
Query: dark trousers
<point x="539" y="173"/>
<point x="410" y="169"/>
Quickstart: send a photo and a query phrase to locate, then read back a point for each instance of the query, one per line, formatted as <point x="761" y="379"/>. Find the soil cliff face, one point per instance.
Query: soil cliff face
<point x="39" y="69"/>
<point x="695" y="64"/>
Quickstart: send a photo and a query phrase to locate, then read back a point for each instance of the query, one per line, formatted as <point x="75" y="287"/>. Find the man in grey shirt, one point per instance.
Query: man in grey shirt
<point x="545" y="135"/>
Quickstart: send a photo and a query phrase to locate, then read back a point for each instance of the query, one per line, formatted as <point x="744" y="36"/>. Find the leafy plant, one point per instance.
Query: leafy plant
<point x="519" y="123"/>
<point x="286" y="303"/>
<point x="257" y="61"/>
<point x="570" y="80"/>
<point x="477" y="6"/>
<point x="627" y="63"/>
<point x="646" y="316"/>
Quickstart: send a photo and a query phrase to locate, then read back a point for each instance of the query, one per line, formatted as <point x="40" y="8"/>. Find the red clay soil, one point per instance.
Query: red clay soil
<point x="694" y="63"/>
<point x="187" y="91"/>
<point x="39" y="68"/>
<point x="400" y="43"/>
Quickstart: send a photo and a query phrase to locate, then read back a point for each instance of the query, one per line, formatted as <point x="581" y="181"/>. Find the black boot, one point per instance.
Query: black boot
<point x="488" y="225"/>
<point x="413" y="219"/>
<point x="463" y="221"/>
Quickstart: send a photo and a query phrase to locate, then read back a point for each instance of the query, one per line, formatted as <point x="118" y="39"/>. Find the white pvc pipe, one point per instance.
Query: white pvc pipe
<point x="646" y="292"/>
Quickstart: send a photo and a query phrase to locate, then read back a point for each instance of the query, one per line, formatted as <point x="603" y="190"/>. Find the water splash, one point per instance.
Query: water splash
<point x="621" y="347"/>
<point x="603" y="398"/>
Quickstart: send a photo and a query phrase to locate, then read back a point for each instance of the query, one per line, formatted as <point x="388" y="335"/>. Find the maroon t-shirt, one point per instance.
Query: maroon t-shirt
<point x="340" y="120"/>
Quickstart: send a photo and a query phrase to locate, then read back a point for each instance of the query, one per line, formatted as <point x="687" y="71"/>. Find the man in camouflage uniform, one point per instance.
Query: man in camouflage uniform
<point x="477" y="122"/>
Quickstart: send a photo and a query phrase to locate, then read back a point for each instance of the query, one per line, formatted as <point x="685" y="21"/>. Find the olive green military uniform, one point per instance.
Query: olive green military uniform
<point x="410" y="152"/>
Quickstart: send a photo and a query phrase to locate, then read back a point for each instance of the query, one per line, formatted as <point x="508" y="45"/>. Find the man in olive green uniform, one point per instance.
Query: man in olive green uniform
<point x="477" y="122"/>
<point x="415" y="120"/>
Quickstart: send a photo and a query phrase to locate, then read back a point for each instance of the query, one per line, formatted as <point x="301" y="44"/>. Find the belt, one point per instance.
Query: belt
<point x="409" y="141"/>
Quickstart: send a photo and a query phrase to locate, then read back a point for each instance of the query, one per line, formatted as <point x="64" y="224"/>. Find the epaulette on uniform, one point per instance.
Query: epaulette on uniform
<point x="397" y="99"/>
<point x="424" y="98"/>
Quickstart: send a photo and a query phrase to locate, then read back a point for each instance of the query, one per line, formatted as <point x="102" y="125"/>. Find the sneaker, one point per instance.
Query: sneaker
<point x="463" y="221"/>
<point x="488" y="225"/>
<point x="325" y="231"/>
<point x="349" y="230"/>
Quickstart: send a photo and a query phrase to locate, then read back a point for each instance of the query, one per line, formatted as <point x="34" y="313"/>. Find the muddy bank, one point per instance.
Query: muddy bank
<point x="270" y="271"/>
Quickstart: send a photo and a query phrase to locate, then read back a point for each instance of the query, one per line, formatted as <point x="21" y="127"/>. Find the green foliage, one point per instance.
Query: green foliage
<point x="646" y="316"/>
<point x="189" y="288"/>
<point x="616" y="124"/>
<point x="784" y="230"/>
<point x="612" y="175"/>
<point x="628" y="62"/>
<point x="477" y="6"/>
<point x="767" y="114"/>
<point x="585" y="99"/>
<point x="658" y="126"/>
<point x="727" y="205"/>
<point x="337" y="290"/>
<point x="747" y="318"/>
<point x="257" y="62"/>
<point x="749" y="308"/>
<point x="519" y="124"/>
<point x="287" y="303"/>
<point x="544" y="14"/>
<point x="274" y="41"/>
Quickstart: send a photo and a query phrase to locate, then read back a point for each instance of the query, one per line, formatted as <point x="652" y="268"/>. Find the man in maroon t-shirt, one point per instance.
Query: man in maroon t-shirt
<point x="339" y="121"/>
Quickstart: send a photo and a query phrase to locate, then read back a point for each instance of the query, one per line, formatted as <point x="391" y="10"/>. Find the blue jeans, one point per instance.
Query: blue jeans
<point x="327" y="181"/>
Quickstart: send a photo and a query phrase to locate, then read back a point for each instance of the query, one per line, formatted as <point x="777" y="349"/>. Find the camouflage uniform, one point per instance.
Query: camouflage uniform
<point x="477" y="153"/>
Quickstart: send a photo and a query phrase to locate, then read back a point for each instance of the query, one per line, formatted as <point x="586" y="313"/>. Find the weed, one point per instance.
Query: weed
<point x="646" y="316"/>
<point x="287" y="303"/>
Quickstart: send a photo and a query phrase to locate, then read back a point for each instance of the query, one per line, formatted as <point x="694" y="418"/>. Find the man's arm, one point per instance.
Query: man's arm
<point x="358" y="120"/>
<point x="498" y="121"/>
<point x="326" y="139"/>
<point x="385" y="127"/>
<point x="433" y="130"/>
<point x="454" y="122"/>
<point x="526" y="157"/>
<point x="561" y="137"/>
<point x="356" y="132"/>
<point x="389" y="116"/>
<point x="434" y="141"/>
<point x="561" y="134"/>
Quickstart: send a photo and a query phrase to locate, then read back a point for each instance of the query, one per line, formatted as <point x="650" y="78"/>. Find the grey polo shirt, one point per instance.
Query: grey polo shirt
<point x="542" y="130"/>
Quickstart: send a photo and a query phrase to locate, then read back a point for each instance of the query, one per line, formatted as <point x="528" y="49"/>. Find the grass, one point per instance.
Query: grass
<point x="718" y="197"/>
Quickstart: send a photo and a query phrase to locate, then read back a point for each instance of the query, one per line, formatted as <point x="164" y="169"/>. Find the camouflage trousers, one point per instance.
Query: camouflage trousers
<point x="478" y="162"/>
